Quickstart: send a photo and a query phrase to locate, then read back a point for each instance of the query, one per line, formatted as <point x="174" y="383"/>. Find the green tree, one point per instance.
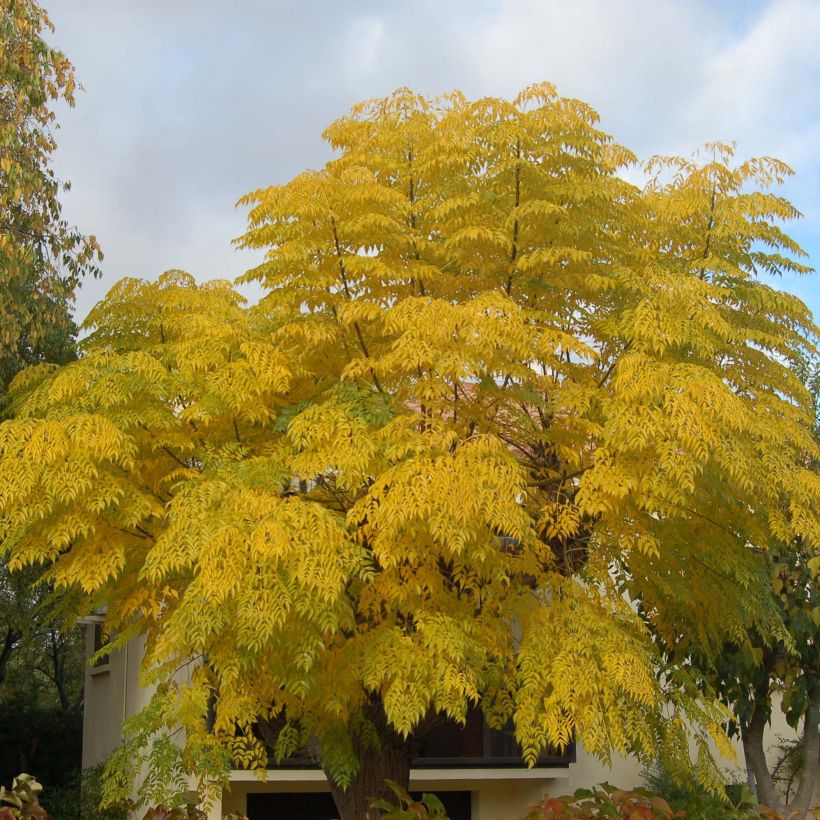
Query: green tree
<point x="42" y="258"/>
<point x="486" y="373"/>
<point x="754" y="670"/>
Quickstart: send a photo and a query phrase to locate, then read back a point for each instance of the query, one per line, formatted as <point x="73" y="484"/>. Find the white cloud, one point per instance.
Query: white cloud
<point x="190" y="104"/>
<point x="763" y="88"/>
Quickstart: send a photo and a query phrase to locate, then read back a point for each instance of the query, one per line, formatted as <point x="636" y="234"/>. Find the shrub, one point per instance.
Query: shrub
<point x="79" y="798"/>
<point x="642" y="804"/>
<point x="738" y="803"/>
<point x="428" y="808"/>
<point x="179" y="813"/>
<point x="21" y="800"/>
<point x="604" y="801"/>
<point x="182" y="813"/>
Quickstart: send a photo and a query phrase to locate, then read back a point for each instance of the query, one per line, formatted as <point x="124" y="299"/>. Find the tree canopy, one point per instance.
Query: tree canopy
<point x="486" y="372"/>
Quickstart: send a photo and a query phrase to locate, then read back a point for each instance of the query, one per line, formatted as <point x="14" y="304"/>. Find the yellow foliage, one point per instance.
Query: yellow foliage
<point x="486" y="372"/>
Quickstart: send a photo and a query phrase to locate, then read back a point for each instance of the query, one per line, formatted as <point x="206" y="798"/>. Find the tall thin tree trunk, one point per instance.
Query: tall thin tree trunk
<point x="811" y="759"/>
<point x="58" y="667"/>
<point x="756" y="759"/>
<point x="7" y="649"/>
<point x="389" y="761"/>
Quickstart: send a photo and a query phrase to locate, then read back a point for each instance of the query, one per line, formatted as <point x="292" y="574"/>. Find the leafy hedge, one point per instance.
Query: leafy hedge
<point x="641" y="804"/>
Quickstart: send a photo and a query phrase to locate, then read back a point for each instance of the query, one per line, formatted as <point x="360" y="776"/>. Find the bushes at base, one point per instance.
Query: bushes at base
<point x="159" y="813"/>
<point x="90" y="793"/>
<point x="21" y="800"/>
<point x="76" y="799"/>
<point x="428" y="808"/>
<point x="740" y="801"/>
<point x="641" y="804"/>
<point x="604" y="801"/>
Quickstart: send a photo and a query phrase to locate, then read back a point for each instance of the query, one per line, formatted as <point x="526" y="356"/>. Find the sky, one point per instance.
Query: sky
<point x="188" y="104"/>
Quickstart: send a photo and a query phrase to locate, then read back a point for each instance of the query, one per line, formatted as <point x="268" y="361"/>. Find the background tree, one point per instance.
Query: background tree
<point x="486" y="372"/>
<point x="756" y="672"/>
<point x="42" y="260"/>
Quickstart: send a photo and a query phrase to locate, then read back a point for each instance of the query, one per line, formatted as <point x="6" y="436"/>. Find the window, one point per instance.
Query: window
<point x="476" y="744"/>
<point x="101" y="664"/>
<point x="299" y="806"/>
<point x="450" y="745"/>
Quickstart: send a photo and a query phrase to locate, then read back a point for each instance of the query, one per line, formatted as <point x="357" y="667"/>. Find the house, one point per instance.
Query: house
<point x="474" y="770"/>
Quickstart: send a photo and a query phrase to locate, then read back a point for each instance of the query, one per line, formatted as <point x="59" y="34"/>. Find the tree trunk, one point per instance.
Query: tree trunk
<point x="7" y="649"/>
<point x="811" y="760"/>
<point x="389" y="761"/>
<point x="756" y="759"/>
<point x="58" y="653"/>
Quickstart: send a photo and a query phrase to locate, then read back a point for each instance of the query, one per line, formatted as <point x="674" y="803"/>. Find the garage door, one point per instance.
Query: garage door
<point x="320" y="806"/>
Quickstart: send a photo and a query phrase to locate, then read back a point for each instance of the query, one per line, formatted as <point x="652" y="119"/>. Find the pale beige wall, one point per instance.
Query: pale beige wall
<point x="589" y="771"/>
<point x="507" y="799"/>
<point x="112" y="693"/>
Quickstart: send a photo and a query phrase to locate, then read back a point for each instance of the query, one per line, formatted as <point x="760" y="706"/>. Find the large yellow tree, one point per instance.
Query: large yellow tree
<point x="486" y="372"/>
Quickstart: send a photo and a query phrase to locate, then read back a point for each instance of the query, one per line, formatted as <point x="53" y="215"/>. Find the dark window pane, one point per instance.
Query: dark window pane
<point x="320" y="806"/>
<point x="300" y="806"/>
<point x="502" y="743"/>
<point x="449" y="739"/>
<point x="99" y="643"/>
<point x="449" y="744"/>
<point x="456" y="804"/>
